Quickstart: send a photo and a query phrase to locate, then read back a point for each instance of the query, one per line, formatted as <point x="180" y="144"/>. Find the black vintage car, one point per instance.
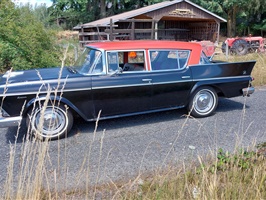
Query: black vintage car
<point x="120" y="79"/>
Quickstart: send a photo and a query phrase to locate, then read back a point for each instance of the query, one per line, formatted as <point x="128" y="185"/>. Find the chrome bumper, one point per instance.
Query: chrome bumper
<point x="9" y="121"/>
<point x="248" y="91"/>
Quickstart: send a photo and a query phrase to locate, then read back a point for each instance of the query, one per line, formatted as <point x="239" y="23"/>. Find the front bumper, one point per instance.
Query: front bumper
<point x="248" y="91"/>
<point x="9" y="121"/>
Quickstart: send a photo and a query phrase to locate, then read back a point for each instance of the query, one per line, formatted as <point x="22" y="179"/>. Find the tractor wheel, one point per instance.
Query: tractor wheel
<point x="240" y="47"/>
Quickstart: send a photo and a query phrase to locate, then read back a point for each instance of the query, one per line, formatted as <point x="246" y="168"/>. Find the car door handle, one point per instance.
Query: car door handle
<point x="185" y="76"/>
<point x="147" y="80"/>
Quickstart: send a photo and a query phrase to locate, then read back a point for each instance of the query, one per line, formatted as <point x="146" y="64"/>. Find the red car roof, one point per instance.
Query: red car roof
<point x="151" y="44"/>
<point x="143" y="44"/>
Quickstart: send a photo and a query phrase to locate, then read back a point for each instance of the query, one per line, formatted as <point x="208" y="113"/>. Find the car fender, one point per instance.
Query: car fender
<point x="52" y="98"/>
<point x="209" y="83"/>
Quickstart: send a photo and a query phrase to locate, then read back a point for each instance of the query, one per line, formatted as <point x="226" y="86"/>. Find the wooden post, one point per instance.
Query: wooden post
<point x="82" y="36"/>
<point x="218" y="32"/>
<point x="152" y="30"/>
<point x="132" y="34"/>
<point x="156" y="30"/>
<point x="82" y="31"/>
<point x="111" y="30"/>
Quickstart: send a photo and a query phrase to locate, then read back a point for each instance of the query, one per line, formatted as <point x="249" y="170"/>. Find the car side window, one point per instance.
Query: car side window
<point x="169" y="59"/>
<point x="133" y="61"/>
<point x="112" y="60"/>
<point x="204" y="59"/>
<point x="127" y="61"/>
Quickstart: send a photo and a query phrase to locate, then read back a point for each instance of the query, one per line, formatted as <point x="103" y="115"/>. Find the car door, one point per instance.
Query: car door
<point x="121" y="93"/>
<point x="171" y="78"/>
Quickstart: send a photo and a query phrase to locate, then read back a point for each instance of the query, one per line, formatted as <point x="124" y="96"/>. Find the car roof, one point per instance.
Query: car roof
<point x="144" y="44"/>
<point x="151" y="44"/>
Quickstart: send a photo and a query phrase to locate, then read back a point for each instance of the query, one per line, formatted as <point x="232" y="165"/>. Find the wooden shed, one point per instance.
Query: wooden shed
<point x="169" y="20"/>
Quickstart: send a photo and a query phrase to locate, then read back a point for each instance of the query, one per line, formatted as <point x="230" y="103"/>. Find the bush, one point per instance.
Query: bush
<point x="24" y="42"/>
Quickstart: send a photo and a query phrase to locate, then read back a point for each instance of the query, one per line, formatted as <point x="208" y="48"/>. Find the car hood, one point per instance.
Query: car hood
<point x="36" y="75"/>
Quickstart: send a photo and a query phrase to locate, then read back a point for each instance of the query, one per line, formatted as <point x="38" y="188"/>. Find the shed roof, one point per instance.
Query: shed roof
<point x="140" y="11"/>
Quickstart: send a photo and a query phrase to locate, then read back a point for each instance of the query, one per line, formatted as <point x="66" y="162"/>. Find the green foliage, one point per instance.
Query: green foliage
<point x="244" y="17"/>
<point x="242" y="160"/>
<point x="241" y="15"/>
<point x="24" y="43"/>
<point x="69" y="13"/>
<point x="42" y="13"/>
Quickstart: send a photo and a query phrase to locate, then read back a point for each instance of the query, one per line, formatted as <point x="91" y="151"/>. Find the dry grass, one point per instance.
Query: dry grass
<point x="217" y="180"/>
<point x="259" y="71"/>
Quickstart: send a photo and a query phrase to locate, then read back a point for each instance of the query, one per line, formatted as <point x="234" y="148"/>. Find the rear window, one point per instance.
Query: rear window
<point x="204" y="59"/>
<point x="169" y="59"/>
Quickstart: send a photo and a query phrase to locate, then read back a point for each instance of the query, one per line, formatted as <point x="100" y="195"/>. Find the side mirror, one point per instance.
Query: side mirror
<point x="118" y="71"/>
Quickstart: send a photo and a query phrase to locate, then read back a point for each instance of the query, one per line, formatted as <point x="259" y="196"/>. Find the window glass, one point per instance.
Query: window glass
<point x="98" y="67"/>
<point x="136" y="57"/>
<point x="204" y="59"/>
<point x="90" y="61"/>
<point x="128" y="61"/>
<point x="112" y="61"/>
<point x="183" y="56"/>
<point x="169" y="59"/>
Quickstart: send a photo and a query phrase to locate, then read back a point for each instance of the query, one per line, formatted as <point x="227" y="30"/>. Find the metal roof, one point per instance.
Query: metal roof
<point x="140" y="11"/>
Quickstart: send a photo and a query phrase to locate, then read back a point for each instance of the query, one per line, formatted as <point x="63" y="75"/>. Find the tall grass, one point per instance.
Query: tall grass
<point x="259" y="71"/>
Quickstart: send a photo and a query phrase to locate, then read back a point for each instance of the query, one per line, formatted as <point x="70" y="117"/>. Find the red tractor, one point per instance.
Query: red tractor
<point x="244" y="45"/>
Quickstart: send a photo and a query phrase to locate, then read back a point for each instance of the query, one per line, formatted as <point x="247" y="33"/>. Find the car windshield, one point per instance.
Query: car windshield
<point x="89" y="62"/>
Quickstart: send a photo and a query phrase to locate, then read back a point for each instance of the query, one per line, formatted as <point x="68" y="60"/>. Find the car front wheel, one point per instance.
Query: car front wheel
<point x="50" y="122"/>
<point x="203" y="102"/>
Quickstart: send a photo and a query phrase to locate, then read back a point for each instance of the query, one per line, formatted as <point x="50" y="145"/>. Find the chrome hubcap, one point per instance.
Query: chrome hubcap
<point x="51" y="122"/>
<point x="204" y="102"/>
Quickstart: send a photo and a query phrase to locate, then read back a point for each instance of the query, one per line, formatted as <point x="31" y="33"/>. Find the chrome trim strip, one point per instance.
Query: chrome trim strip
<point x="141" y="84"/>
<point x="120" y="86"/>
<point x="42" y="82"/>
<point x="138" y="113"/>
<point x="219" y="78"/>
<point x="43" y="92"/>
<point x="169" y="82"/>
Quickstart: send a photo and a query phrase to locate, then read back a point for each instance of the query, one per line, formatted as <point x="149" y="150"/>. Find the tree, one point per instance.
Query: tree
<point x="254" y="17"/>
<point x="234" y="10"/>
<point x="226" y="8"/>
<point x="74" y="12"/>
<point x="24" y="43"/>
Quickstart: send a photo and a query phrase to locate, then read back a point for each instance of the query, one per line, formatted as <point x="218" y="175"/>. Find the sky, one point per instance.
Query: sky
<point x="34" y="2"/>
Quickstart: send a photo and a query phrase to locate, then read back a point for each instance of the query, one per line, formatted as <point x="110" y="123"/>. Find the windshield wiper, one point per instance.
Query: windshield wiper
<point x="72" y="70"/>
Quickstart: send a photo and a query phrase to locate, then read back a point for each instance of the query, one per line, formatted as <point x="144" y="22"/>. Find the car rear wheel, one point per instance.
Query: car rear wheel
<point x="50" y="122"/>
<point x="203" y="102"/>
